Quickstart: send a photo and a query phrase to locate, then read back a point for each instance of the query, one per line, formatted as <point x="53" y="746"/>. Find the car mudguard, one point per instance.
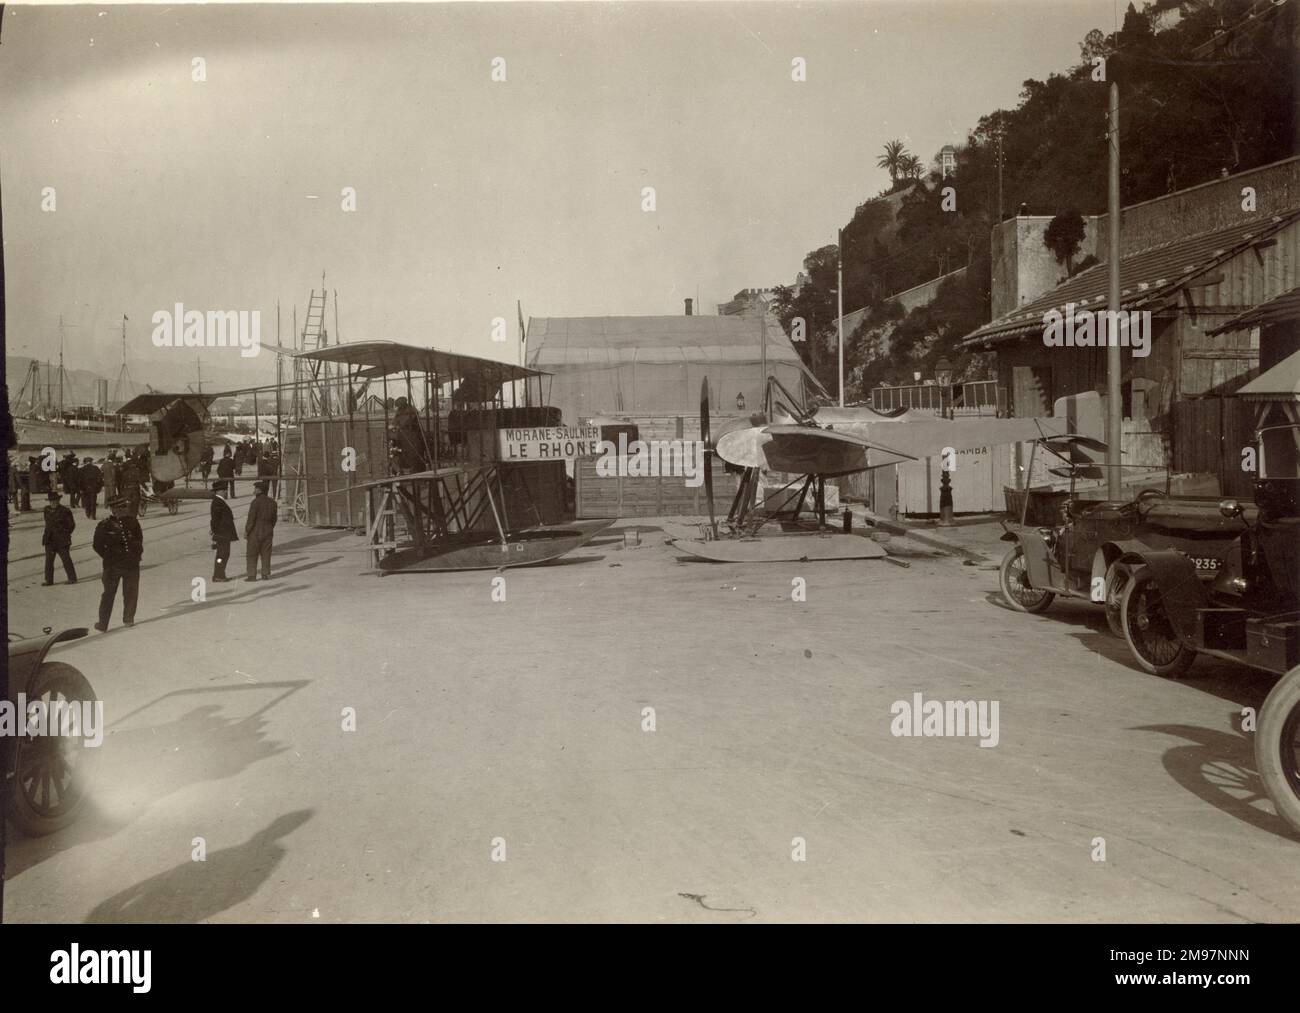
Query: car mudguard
<point x="1181" y="590"/>
<point x="25" y="657"/>
<point x="1119" y="551"/>
<point x="1038" y="558"/>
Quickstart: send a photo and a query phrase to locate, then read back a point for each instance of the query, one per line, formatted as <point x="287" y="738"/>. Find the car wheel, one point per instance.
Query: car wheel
<point x="1277" y="747"/>
<point x="1147" y="630"/>
<point x="51" y="771"/>
<point x="1013" y="581"/>
<point x="1116" y="581"/>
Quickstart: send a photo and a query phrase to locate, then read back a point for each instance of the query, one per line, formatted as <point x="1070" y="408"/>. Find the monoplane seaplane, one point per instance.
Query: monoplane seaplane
<point x="809" y="445"/>
<point x="178" y="432"/>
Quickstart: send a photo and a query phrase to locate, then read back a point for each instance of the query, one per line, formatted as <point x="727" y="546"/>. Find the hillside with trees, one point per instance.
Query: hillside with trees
<point x="1206" y="86"/>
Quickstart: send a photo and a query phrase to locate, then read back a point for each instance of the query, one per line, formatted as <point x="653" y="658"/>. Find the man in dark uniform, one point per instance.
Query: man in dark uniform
<point x="15" y="483"/>
<point x="223" y="533"/>
<point x="38" y="482"/>
<point x="110" y="477"/>
<point x="70" y="478"/>
<point x="59" y="525"/>
<point x="205" y="463"/>
<point x="120" y="544"/>
<point x="226" y="473"/>
<point x="92" y="480"/>
<point x="128" y="484"/>
<point x="24" y="486"/>
<point x="259" y="530"/>
<point x="268" y="464"/>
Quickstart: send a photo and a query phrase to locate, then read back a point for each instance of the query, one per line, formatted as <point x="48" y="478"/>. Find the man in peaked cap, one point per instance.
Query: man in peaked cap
<point x="59" y="525"/>
<point x="119" y="542"/>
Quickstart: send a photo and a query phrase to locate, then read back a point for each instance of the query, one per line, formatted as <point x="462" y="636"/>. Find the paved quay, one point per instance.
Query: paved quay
<point x="514" y="730"/>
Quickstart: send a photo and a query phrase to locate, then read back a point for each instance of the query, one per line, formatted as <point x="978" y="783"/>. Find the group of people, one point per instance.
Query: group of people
<point x="119" y="539"/>
<point x="81" y="481"/>
<point x="265" y="457"/>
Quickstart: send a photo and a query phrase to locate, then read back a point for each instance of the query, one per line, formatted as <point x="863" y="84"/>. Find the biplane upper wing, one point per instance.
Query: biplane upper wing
<point x="154" y="401"/>
<point x="383" y="358"/>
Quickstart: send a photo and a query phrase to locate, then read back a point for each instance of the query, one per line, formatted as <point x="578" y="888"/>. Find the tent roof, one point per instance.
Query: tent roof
<point x="574" y="342"/>
<point x="1281" y="383"/>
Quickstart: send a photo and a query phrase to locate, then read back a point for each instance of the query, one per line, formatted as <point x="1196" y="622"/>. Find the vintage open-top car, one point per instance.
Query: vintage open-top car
<point x="1277" y="746"/>
<point x="1250" y="612"/>
<point x="1093" y="550"/>
<point x="45" y="774"/>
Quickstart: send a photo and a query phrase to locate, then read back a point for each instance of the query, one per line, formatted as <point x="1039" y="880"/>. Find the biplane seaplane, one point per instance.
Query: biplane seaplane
<point x="464" y="482"/>
<point x="809" y="445"/>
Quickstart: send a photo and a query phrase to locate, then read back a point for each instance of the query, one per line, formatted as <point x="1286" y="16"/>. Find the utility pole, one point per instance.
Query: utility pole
<point x="839" y="295"/>
<point x="1115" y="403"/>
<point x="199" y="362"/>
<point x="999" y="175"/>
<point x="60" y="367"/>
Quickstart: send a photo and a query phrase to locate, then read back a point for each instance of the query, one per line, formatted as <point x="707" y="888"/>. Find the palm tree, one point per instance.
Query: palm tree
<point x="909" y="166"/>
<point x="892" y="159"/>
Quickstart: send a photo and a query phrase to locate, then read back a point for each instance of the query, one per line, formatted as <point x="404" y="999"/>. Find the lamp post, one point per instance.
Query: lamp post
<point x="943" y="377"/>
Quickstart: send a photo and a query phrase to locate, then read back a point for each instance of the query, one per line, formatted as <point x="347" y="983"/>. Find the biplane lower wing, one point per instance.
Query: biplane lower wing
<point x="530" y="547"/>
<point x="782" y="548"/>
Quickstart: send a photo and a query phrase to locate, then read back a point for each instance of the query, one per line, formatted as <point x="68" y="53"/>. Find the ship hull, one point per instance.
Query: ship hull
<point x="34" y="434"/>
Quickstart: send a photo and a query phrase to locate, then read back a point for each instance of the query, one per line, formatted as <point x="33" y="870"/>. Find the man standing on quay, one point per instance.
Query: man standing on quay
<point x="92" y="481"/>
<point x="223" y="533"/>
<point x="259" y="530"/>
<point x="59" y="525"/>
<point x="120" y="544"/>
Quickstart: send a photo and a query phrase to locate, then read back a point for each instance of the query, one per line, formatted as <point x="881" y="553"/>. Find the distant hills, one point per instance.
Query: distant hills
<point x="79" y="384"/>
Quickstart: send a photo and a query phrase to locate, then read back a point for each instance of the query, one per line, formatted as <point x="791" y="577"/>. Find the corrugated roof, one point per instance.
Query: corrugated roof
<point x="567" y="341"/>
<point x="1281" y="383"/>
<point x="1283" y="307"/>
<point x="1144" y="277"/>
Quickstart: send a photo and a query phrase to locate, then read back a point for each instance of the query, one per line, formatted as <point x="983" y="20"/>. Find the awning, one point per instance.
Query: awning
<point x="1283" y="307"/>
<point x="1147" y="277"/>
<point x="1281" y="383"/>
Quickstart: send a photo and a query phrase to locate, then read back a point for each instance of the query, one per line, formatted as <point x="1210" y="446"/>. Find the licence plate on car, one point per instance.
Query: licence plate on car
<point x="1206" y="564"/>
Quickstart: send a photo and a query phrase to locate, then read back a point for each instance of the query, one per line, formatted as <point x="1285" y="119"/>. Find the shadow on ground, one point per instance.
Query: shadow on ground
<point x="198" y="891"/>
<point x="1219" y="768"/>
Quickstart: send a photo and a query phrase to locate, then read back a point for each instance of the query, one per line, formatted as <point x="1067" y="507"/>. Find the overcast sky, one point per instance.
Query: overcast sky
<point x="225" y="194"/>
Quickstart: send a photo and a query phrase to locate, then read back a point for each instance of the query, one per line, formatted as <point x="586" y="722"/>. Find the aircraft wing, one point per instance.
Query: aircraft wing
<point x="800" y="450"/>
<point x="147" y="404"/>
<point x="931" y="437"/>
